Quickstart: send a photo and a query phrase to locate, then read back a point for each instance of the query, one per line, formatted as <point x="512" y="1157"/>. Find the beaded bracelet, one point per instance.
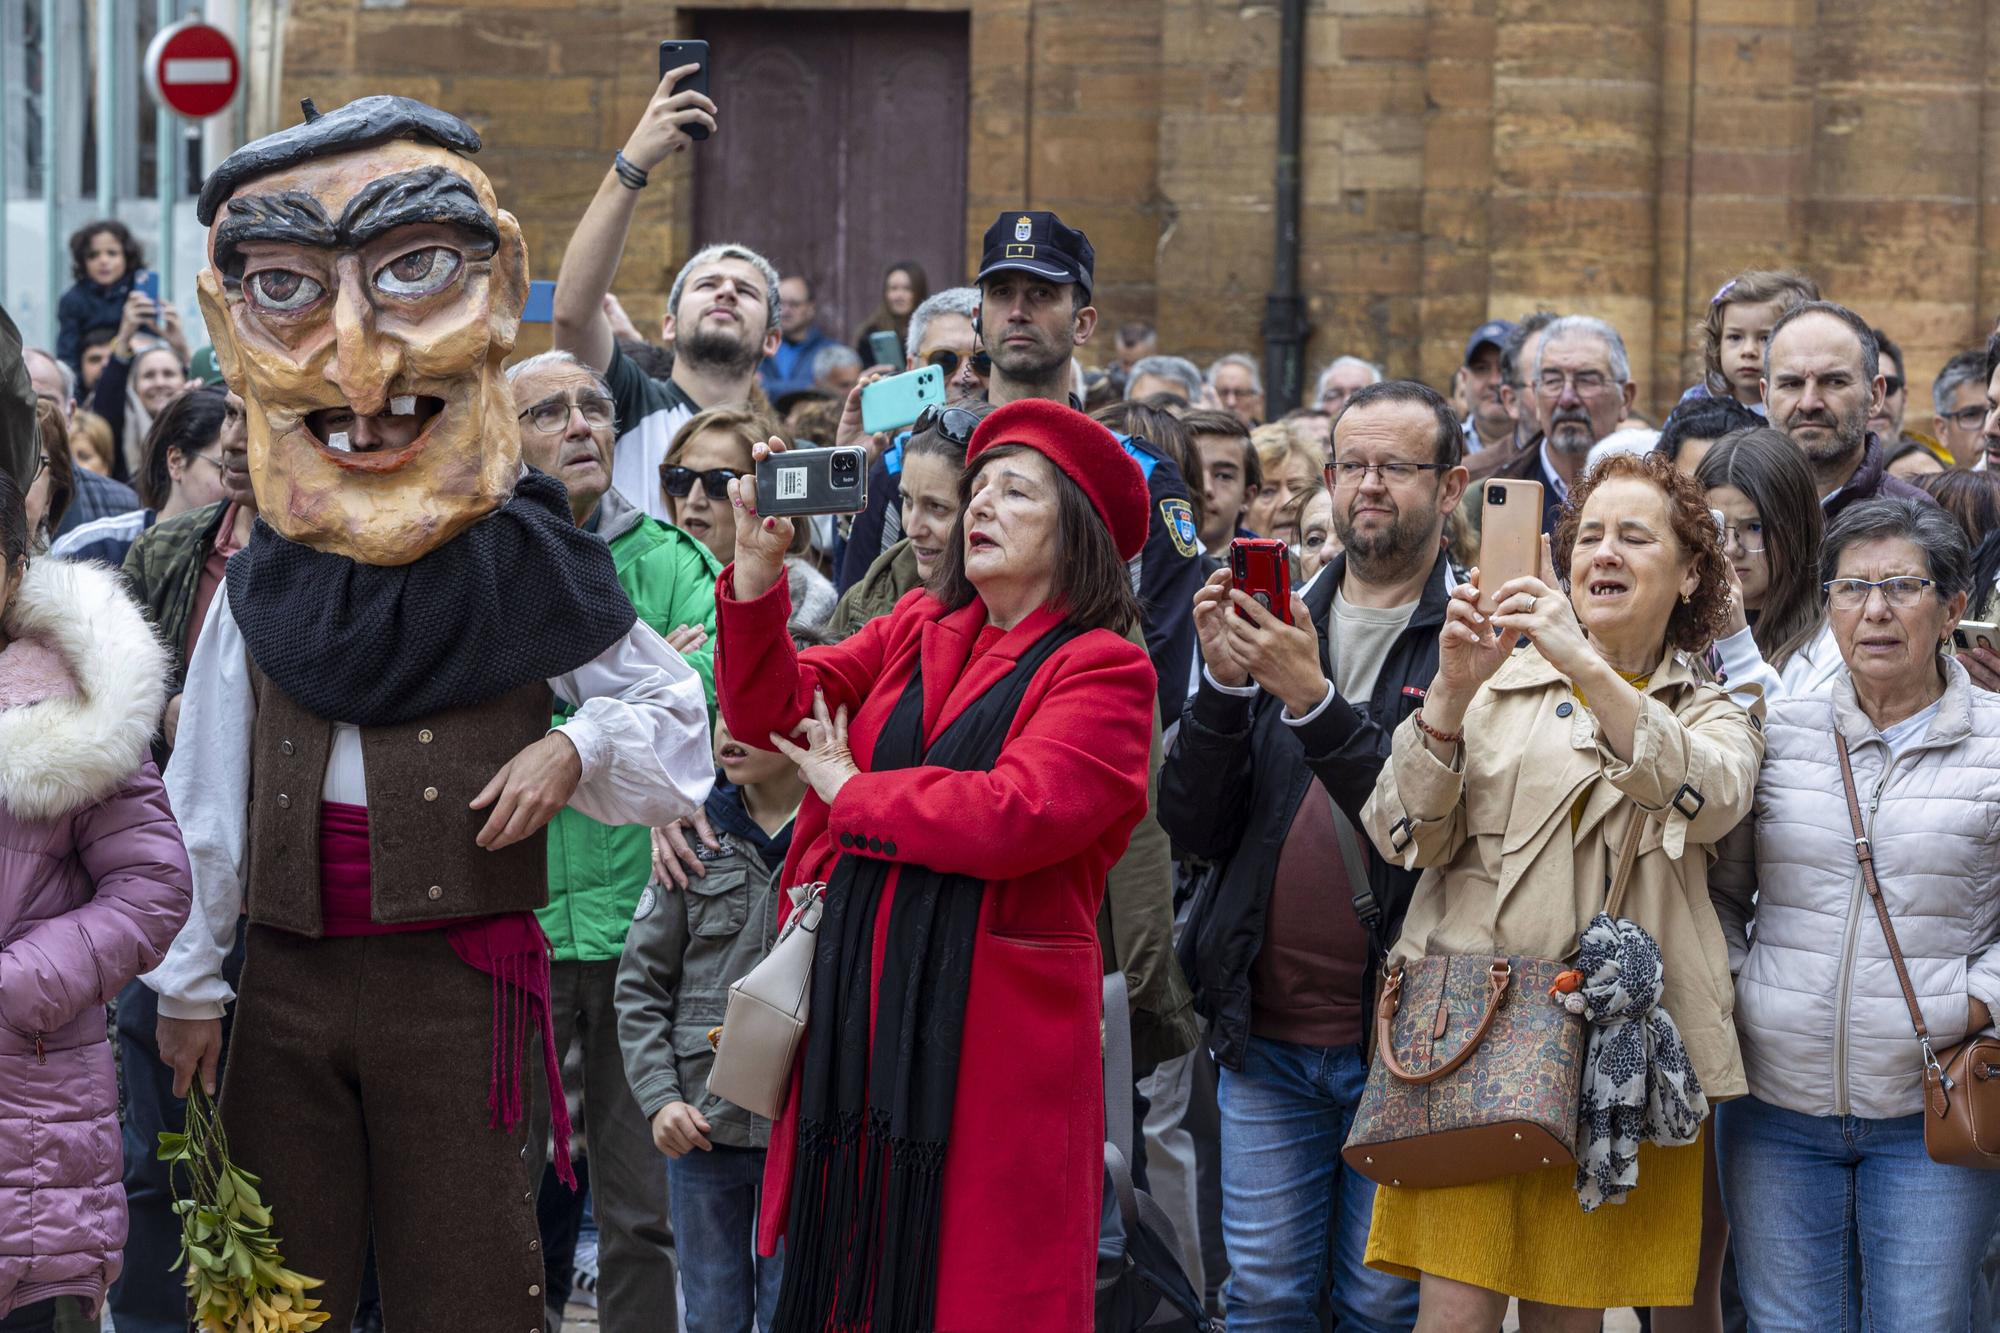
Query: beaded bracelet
<point x="1440" y="737"/>
<point x="630" y="176"/>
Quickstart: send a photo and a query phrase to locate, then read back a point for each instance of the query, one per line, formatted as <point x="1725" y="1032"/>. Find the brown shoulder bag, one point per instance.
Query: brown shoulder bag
<point x="1478" y="1069"/>
<point x="1961" y="1085"/>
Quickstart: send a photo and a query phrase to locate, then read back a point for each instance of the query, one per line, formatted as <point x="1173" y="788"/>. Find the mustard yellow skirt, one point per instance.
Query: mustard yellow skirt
<point x="1528" y="1237"/>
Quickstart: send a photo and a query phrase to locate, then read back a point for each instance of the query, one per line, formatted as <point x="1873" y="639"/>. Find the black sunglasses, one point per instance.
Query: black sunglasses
<point x="982" y="364"/>
<point x="679" y="481"/>
<point x="954" y="423"/>
<point x="1891" y="385"/>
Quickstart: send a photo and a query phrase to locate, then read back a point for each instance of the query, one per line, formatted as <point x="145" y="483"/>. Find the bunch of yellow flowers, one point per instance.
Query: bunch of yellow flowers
<point x="236" y="1279"/>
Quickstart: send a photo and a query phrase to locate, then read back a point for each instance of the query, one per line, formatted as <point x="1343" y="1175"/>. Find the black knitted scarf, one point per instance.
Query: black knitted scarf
<point x="861" y="1245"/>
<point x="522" y="595"/>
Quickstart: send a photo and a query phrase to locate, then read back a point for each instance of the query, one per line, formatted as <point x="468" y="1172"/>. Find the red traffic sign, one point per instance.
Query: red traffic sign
<point x="193" y="69"/>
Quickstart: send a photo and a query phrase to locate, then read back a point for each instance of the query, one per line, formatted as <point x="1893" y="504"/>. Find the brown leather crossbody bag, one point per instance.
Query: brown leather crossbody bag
<point x="1962" y="1083"/>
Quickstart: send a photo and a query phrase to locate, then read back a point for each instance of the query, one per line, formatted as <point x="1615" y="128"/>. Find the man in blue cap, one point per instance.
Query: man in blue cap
<point x="1488" y="423"/>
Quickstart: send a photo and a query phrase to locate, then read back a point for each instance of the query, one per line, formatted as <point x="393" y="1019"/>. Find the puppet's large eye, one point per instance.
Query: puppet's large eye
<point x="418" y="273"/>
<point x="283" y="290"/>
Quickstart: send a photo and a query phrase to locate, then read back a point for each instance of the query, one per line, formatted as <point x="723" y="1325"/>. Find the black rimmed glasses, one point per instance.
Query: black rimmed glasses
<point x="679" y="481"/>
<point x="1852" y="594"/>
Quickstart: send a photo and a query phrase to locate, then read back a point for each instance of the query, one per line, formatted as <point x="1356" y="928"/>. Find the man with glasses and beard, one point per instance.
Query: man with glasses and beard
<point x="1276" y="754"/>
<point x="1582" y="382"/>
<point x="722" y="311"/>
<point x="1822" y="381"/>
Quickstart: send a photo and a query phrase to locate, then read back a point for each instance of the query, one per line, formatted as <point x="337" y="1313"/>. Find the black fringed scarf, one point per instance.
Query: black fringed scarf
<point x="520" y="596"/>
<point x="861" y="1245"/>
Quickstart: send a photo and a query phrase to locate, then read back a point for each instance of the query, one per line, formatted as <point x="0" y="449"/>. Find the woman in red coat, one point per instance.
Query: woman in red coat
<point x="940" y="1164"/>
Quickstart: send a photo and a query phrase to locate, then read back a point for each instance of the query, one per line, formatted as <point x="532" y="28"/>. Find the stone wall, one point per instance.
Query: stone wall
<point x="1462" y="158"/>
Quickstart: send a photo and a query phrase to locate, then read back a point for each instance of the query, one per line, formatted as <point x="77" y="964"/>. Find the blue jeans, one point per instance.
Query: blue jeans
<point x="1805" y="1192"/>
<point x="1289" y="1203"/>
<point x="714" y="1197"/>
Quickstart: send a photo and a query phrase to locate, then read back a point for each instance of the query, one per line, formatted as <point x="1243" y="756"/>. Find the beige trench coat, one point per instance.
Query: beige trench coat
<point x="1503" y="874"/>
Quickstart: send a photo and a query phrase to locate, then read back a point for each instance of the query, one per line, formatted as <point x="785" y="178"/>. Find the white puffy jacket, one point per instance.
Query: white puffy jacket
<point x="1823" y="1023"/>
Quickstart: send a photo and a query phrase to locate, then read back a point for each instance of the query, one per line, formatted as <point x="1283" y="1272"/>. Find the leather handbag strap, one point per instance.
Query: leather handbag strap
<point x="1628" y="852"/>
<point x="1497" y="978"/>
<point x="1864" y="852"/>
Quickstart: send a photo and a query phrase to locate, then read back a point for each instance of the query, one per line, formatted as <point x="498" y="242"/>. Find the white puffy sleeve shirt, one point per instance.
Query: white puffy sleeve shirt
<point x="641" y="729"/>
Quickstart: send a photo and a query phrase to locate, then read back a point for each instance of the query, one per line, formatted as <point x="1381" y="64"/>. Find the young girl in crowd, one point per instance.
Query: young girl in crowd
<point x="683" y="952"/>
<point x="104" y="259"/>
<point x="1738" y="324"/>
<point x="904" y="288"/>
<point x="93" y="887"/>
<point x="711" y="448"/>
<point x="1777" y="636"/>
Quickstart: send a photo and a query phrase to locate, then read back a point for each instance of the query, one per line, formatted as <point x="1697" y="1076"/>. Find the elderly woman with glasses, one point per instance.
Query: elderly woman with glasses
<point x="1825" y="1157"/>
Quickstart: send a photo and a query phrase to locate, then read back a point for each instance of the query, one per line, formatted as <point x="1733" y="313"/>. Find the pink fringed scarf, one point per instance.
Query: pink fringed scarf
<point x="510" y="948"/>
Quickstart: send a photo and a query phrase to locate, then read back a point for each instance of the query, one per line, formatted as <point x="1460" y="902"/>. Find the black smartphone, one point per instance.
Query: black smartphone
<point x="675" y="54"/>
<point x="813" y="481"/>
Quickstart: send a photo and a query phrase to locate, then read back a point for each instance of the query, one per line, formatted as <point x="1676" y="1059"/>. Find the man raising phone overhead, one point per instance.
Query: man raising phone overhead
<point x="722" y="310"/>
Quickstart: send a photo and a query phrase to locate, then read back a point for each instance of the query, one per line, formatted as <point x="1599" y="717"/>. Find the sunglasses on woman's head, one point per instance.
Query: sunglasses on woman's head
<point x="954" y="423"/>
<point x="982" y="364"/>
<point x="679" y="481"/>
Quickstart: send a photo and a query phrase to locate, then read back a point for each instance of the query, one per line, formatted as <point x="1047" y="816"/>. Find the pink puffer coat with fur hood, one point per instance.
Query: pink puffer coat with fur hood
<point x="93" y="887"/>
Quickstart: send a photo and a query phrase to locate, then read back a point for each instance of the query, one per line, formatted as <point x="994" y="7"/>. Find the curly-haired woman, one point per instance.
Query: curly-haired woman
<point x="1514" y="787"/>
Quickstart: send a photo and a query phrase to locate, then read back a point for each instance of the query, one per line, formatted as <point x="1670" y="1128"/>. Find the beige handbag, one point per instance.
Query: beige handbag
<point x="759" y="1036"/>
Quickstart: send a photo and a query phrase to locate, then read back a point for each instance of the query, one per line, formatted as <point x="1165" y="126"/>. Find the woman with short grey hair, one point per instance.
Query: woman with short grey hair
<point x="1826" y="1155"/>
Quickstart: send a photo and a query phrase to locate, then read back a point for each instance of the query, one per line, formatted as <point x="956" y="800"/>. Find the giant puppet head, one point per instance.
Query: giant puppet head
<point x="362" y="291"/>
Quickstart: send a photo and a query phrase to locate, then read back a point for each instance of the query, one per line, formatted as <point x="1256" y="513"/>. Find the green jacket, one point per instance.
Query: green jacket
<point x="596" y="871"/>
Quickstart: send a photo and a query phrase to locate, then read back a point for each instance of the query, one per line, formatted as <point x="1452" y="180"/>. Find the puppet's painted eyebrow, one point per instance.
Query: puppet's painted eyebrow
<point x="292" y="216"/>
<point x="428" y="194"/>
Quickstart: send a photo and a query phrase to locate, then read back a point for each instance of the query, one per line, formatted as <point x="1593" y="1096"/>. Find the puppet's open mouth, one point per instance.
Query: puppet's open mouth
<point x="382" y="442"/>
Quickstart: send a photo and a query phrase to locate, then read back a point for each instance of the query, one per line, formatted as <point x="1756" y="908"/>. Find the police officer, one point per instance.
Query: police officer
<point x="1034" y="312"/>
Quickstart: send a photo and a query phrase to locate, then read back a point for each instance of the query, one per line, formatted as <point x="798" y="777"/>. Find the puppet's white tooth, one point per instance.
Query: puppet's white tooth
<point x="338" y="440"/>
<point x="403" y="405"/>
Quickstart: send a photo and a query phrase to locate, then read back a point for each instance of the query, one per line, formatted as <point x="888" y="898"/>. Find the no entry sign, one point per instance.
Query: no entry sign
<point x="192" y="68"/>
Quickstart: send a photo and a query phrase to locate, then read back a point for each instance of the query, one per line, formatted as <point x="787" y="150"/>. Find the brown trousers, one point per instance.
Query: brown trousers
<point x="357" y="1090"/>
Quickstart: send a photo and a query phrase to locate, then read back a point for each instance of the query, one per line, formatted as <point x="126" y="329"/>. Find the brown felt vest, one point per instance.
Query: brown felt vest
<point x="421" y="777"/>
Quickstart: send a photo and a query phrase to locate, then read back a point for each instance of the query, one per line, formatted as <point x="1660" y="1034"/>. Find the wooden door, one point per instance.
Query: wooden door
<point x="841" y="149"/>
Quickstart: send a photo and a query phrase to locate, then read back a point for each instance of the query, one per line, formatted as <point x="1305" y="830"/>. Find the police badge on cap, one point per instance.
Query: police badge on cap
<point x="1037" y="243"/>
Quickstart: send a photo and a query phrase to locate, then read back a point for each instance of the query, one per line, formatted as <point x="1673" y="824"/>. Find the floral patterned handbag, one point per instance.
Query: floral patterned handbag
<point x="1478" y="1068"/>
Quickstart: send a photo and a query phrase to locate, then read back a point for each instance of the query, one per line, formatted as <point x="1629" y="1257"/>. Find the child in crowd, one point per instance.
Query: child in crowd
<point x="1738" y="324"/>
<point x="104" y="259"/>
<point x="685" y="949"/>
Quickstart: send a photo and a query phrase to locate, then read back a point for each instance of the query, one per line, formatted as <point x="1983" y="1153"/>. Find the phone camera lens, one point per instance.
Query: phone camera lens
<point x="1496" y="495"/>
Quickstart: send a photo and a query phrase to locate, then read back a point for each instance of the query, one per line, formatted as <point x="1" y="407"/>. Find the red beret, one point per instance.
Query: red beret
<point x="1088" y="455"/>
